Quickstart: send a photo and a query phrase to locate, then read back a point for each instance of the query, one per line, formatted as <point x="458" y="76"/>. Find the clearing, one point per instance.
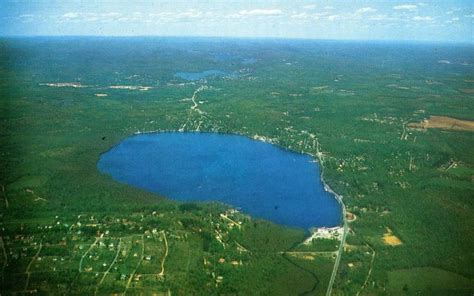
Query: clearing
<point x="444" y="122"/>
<point x="390" y="239"/>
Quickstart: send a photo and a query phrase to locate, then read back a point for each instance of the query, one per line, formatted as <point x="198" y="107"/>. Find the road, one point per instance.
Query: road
<point x="162" y="273"/>
<point x="88" y="250"/>
<point x="110" y="267"/>
<point x="341" y="249"/>
<point x="370" y="271"/>
<point x="136" y="267"/>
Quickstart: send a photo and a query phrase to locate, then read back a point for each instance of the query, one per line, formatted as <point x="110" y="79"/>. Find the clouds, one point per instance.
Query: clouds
<point x="166" y="16"/>
<point x="409" y="7"/>
<point x="250" y="14"/>
<point x="352" y="13"/>
<point x="70" y="15"/>
<point x="302" y="15"/>
<point x="380" y="17"/>
<point x="261" y="12"/>
<point x="28" y="17"/>
<point x="365" y="10"/>
<point x="309" y="7"/>
<point x="327" y="14"/>
<point x="353" y="16"/>
<point x="191" y="13"/>
<point x="311" y="13"/>
<point x="423" y="18"/>
<point x="282" y="17"/>
<point x="452" y="11"/>
<point x="88" y="17"/>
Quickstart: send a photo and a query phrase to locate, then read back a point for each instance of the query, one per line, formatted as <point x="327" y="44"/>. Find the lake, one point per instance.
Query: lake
<point x="261" y="179"/>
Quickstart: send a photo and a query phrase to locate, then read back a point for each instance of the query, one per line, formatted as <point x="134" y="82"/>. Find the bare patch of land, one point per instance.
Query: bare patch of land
<point x="467" y="90"/>
<point x="390" y="239"/>
<point x="131" y="87"/>
<point x="64" y="84"/>
<point x="444" y="122"/>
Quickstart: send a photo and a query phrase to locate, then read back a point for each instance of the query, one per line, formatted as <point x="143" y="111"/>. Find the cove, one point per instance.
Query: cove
<point x="261" y="179"/>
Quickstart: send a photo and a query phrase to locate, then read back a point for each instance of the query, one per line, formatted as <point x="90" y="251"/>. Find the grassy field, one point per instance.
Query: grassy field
<point x="67" y="229"/>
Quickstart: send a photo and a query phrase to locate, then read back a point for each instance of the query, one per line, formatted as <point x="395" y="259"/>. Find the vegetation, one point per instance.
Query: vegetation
<point x="67" y="229"/>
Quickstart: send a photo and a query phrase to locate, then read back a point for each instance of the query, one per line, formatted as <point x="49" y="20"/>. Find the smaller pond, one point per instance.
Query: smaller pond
<point x="262" y="179"/>
<point x="193" y="76"/>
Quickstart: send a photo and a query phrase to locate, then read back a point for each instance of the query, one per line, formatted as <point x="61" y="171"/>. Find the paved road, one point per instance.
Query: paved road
<point x="339" y="253"/>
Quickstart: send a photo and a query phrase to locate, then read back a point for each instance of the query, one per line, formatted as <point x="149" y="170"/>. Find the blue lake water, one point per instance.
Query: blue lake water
<point x="262" y="179"/>
<point x="192" y="76"/>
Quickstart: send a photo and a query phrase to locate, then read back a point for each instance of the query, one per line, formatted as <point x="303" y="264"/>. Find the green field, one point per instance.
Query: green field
<point x="67" y="229"/>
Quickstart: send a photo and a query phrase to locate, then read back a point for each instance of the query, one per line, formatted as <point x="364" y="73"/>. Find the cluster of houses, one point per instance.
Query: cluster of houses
<point x="325" y="233"/>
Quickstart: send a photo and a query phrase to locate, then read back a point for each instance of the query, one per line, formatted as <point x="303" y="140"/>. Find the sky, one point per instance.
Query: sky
<point x="448" y="20"/>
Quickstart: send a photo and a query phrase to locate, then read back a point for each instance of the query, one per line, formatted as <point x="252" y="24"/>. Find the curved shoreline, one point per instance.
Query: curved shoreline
<point x="317" y="157"/>
<point x="264" y="139"/>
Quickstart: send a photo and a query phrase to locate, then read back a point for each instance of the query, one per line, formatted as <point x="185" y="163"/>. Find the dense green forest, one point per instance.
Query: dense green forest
<point x="67" y="229"/>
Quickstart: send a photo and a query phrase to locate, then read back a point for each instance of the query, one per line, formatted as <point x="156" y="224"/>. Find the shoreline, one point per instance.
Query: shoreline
<point x="256" y="137"/>
<point x="339" y="198"/>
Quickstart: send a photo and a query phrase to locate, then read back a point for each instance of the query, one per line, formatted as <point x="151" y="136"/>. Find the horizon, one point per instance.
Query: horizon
<point x="436" y="21"/>
<point x="247" y="38"/>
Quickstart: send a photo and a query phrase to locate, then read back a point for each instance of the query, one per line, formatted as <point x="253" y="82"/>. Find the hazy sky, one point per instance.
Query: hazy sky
<point x="383" y="20"/>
